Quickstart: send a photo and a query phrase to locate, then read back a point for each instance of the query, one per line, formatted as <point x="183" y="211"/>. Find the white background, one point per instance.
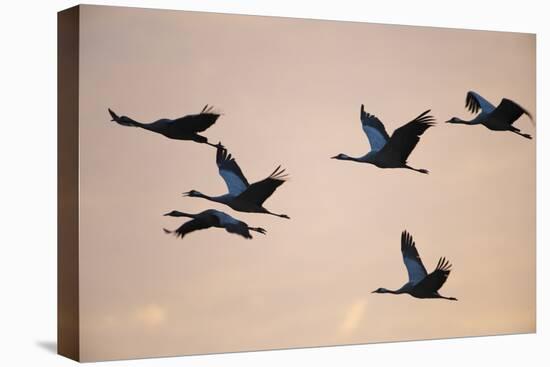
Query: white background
<point x="28" y="182"/>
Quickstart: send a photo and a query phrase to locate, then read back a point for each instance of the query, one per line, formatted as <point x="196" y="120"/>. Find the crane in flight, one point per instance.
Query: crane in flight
<point x="420" y="284"/>
<point x="187" y="127"/>
<point x="242" y="196"/>
<point x="386" y="151"/>
<point x="500" y="118"/>
<point x="212" y="218"/>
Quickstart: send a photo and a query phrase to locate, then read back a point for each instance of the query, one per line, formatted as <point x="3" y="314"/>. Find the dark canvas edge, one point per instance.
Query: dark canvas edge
<point x="68" y="343"/>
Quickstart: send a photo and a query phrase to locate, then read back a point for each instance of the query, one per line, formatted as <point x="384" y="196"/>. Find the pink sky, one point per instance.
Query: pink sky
<point x="290" y="91"/>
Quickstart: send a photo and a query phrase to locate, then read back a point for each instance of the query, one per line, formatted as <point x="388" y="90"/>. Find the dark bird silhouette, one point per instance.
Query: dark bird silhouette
<point x="212" y="218"/>
<point x="420" y="284"/>
<point x="500" y="118"/>
<point x="391" y="152"/>
<point x="183" y="128"/>
<point x="242" y="196"/>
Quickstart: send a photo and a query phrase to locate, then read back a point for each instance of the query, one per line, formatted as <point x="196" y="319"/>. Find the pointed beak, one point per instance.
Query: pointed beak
<point x="166" y="214"/>
<point x="334" y="157"/>
<point x="188" y="193"/>
<point x="448" y="121"/>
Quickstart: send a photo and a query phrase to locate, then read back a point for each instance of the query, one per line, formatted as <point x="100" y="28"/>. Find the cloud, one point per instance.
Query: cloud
<point x="353" y="317"/>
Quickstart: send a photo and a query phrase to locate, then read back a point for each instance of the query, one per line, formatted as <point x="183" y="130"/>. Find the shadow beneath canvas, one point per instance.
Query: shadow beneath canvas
<point x="50" y="346"/>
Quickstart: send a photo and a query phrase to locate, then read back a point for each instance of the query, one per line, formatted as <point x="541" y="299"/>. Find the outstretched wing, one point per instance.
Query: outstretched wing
<point x="230" y="172"/>
<point x="437" y="278"/>
<point x="411" y="258"/>
<point x="508" y="112"/>
<point x="404" y="139"/>
<point x="475" y="102"/>
<point x="259" y="191"/>
<point x="375" y="130"/>
<point x="241" y="229"/>
<point x="232" y="225"/>
<point x="198" y="122"/>
<point x="188" y="227"/>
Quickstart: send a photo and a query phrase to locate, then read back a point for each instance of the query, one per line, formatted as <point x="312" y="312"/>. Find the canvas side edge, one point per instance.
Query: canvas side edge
<point x="68" y="315"/>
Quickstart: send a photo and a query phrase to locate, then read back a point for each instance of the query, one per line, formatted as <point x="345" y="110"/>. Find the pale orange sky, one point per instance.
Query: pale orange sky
<point x="290" y="91"/>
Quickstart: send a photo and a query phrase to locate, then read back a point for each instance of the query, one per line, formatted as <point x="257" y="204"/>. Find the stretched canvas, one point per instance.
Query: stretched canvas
<point x="238" y="183"/>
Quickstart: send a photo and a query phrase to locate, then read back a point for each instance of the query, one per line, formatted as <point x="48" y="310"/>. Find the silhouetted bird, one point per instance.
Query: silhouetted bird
<point x="500" y="118"/>
<point x="391" y="152"/>
<point x="242" y="196"/>
<point x="421" y="284"/>
<point x="183" y="128"/>
<point x="212" y="218"/>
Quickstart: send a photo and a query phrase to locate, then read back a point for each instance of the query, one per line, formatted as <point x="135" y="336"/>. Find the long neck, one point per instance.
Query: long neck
<point x="132" y="122"/>
<point x="476" y="120"/>
<point x="224" y="199"/>
<point x="398" y="291"/>
<point x="403" y="289"/>
<point x="156" y="126"/>
<point x="153" y="126"/>
<point x="353" y="159"/>
<point x="181" y="214"/>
